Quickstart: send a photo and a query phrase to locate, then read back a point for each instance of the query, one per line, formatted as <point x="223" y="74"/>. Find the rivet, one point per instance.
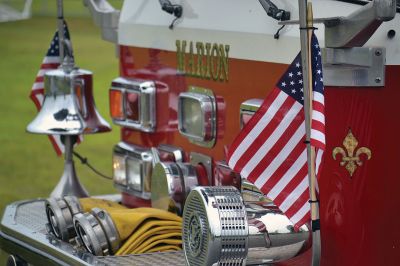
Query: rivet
<point x="378" y="80"/>
<point x="391" y="34"/>
<point x="378" y="52"/>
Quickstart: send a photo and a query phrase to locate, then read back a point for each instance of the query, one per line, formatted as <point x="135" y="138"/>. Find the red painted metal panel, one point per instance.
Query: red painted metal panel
<point x="359" y="213"/>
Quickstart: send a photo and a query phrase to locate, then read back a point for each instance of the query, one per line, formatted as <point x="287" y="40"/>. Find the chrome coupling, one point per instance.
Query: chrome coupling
<point x="60" y="213"/>
<point x="97" y="232"/>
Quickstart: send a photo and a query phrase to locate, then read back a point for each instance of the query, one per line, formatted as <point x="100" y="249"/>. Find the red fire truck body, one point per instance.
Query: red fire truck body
<point x="350" y="234"/>
<point x="228" y="49"/>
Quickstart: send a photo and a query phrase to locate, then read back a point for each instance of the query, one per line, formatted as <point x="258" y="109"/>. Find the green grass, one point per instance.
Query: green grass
<point x="29" y="167"/>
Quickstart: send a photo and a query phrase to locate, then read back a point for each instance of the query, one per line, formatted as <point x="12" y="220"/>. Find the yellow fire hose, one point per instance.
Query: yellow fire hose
<point x="89" y="203"/>
<point x="141" y="229"/>
<point x="108" y="228"/>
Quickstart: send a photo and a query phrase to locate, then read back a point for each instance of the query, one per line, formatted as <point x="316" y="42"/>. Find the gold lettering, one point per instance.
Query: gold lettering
<point x="224" y="56"/>
<point x="191" y="65"/>
<point x="205" y="60"/>
<point x="201" y="68"/>
<point x="215" y="62"/>
<point x="180" y="54"/>
<point x="208" y="61"/>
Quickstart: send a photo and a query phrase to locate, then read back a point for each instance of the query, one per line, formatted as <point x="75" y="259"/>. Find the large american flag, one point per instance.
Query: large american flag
<point x="271" y="152"/>
<point x="51" y="61"/>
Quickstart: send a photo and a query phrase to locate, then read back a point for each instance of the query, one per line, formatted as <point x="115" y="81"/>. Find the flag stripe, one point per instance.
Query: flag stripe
<point x="318" y="116"/>
<point x="318" y="97"/>
<point x="294" y="195"/>
<point x="317" y="106"/>
<point x="52" y="60"/>
<point x="266" y="133"/>
<point x="268" y="144"/>
<point x="259" y="125"/>
<point x="318" y="126"/>
<point x="299" y="166"/>
<point x="266" y="178"/>
<point x="279" y="158"/>
<point x="317" y="135"/>
<point x="300" y="217"/>
<point x="252" y="123"/>
<point x="318" y="160"/>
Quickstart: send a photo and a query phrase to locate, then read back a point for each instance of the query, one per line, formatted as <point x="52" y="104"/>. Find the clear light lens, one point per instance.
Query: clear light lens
<point x="132" y="106"/>
<point x="192" y="117"/>
<point x="119" y="169"/>
<point x="116" y="104"/>
<point x="134" y="170"/>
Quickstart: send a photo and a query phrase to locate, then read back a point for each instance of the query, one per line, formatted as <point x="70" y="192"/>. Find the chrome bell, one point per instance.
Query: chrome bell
<point x="68" y="109"/>
<point x="68" y="106"/>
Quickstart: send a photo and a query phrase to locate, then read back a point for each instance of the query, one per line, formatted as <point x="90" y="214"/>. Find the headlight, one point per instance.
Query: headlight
<point x="132" y="169"/>
<point x="119" y="169"/>
<point x="197" y="116"/>
<point x="248" y="109"/>
<point x="133" y="104"/>
<point x="134" y="172"/>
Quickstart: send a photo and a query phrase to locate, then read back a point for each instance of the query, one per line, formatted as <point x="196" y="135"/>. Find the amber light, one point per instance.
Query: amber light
<point x="116" y="104"/>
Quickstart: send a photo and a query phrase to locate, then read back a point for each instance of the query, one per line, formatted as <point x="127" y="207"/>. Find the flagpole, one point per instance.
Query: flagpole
<point x="60" y="22"/>
<point x="306" y="25"/>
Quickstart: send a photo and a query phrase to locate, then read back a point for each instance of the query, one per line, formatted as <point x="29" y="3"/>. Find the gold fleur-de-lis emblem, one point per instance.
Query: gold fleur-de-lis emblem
<point x="350" y="159"/>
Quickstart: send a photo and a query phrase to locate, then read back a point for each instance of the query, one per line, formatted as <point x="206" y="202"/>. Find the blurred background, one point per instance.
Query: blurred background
<point x="29" y="166"/>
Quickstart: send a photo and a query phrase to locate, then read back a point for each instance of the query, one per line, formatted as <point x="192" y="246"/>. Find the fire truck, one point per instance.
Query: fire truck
<point x="192" y="74"/>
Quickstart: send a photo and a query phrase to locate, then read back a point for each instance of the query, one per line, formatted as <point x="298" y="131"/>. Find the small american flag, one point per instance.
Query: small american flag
<point x="270" y="150"/>
<point x="50" y="62"/>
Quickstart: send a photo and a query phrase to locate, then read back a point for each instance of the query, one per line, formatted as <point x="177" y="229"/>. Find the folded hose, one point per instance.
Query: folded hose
<point x="142" y="230"/>
<point x="108" y="228"/>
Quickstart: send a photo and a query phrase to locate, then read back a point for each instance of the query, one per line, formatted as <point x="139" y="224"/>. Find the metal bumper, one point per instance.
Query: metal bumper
<point x="23" y="232"/>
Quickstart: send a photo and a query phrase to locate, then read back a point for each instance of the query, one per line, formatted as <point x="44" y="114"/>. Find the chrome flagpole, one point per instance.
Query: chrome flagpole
<point x="60" y="21"/>
<point x="306" y="24"/>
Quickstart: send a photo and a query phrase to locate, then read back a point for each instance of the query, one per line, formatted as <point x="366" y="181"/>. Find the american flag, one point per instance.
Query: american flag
<point x="51" y="61"/>
<point x="270" y="151"/>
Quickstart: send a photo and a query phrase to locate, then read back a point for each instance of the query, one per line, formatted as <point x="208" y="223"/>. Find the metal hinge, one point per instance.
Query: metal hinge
<point x="354" y="67"/>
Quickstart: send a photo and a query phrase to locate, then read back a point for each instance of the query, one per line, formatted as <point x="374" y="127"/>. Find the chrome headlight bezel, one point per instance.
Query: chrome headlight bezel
<point x="206" y="104"/>
<point x="143" y="159"/>
<point x="146" y="103"/>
